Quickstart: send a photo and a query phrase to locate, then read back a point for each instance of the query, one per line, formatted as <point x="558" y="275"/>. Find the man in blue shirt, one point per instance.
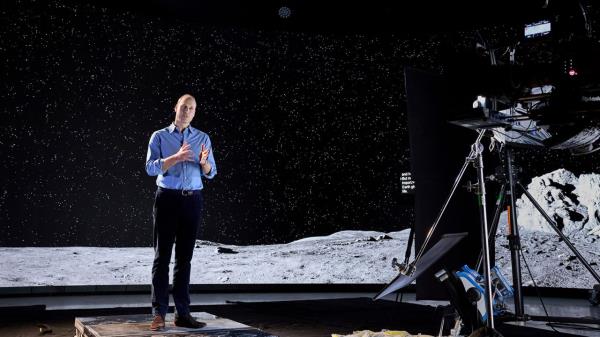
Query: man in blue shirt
<point x="179" y="155"/>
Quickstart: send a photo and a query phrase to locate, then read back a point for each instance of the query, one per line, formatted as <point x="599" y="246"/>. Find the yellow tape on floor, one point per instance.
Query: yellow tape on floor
<point x="384" y="333"/>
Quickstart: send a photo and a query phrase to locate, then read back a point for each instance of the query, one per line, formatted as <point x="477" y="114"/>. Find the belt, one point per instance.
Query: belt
<point x="185" y="193"/>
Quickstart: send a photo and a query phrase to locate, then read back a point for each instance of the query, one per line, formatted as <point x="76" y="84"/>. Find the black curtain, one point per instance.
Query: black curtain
<point x="438" y="150"/>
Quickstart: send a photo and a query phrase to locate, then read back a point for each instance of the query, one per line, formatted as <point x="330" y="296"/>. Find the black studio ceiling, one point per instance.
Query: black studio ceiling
<point x="335" y="15"/>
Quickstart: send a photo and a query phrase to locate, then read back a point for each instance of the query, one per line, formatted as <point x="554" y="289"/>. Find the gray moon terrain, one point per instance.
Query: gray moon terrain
<point x="342" y="257"/>
<point x="574" y="204"/>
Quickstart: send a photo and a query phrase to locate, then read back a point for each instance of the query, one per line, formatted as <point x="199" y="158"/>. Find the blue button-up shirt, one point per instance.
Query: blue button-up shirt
<point x="184" y="175"/>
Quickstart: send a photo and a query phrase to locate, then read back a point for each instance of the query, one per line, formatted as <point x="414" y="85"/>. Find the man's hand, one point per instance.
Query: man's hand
<point x="203" y="155"/>
<point x="185" y="153"/>
<point x="204" y="164"/>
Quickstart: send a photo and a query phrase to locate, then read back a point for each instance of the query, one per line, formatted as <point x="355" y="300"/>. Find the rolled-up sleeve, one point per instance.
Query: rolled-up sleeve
<point x="154" y="163"/>
<point x="211" y="160"/>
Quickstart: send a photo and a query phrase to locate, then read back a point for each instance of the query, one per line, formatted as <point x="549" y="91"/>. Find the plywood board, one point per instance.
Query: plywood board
<point x="139" y="326"/>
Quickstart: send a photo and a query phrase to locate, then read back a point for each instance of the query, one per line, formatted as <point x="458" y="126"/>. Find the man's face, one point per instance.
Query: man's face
<point x="185" y="111"/>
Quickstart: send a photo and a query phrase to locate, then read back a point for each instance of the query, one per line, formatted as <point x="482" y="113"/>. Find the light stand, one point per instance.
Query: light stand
<point x="475" y="157"/>
<point x="477" y="148"/>
<point x="514" y="241"/>
<point x="508" y="177"/>
<point x="408" y="271"/>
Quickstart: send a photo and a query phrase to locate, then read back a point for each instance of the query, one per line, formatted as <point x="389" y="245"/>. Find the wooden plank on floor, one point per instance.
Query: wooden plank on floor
<point x="139" y="326"/>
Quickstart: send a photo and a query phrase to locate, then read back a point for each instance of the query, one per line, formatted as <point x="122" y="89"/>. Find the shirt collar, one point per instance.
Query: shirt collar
<point x="172" y="128"/>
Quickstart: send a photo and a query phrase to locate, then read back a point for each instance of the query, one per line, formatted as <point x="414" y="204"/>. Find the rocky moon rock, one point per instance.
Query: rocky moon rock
<point x="572" y="202"/>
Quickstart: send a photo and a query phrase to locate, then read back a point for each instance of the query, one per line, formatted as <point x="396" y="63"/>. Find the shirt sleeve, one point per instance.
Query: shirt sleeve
<point x="153" y="161"/>
<point x="211" y="160"/>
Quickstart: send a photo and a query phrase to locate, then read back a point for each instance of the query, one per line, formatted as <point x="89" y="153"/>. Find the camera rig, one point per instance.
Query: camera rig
<point x="544" y="90"/>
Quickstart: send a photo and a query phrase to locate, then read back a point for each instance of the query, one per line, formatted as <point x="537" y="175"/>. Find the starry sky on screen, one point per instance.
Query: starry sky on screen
<point x="309" y="129"/>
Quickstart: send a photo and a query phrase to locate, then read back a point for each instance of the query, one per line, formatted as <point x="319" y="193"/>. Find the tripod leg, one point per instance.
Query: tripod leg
<point x="514" y="241"/>
<point x="485" y="239"/>
<point x="409" y="244"/>
<point x="494" y="226"/>
<point x="557" y="230"/>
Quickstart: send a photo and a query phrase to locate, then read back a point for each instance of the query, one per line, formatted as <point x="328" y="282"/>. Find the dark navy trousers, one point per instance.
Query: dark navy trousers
<point x="176" y="222"/>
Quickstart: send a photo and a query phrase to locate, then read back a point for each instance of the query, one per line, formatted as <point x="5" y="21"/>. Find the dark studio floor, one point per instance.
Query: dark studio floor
<point x="289" y="316"/>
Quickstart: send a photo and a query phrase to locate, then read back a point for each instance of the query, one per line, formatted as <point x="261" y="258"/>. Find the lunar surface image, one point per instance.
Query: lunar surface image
<point x="573" y="202"/>
<point x="342" y="257"/>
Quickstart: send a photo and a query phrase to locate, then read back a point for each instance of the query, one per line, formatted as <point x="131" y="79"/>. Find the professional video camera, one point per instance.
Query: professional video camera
<point x="544" y="89"/>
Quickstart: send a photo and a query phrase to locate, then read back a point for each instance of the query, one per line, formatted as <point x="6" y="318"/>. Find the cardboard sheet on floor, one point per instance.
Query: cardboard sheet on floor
<point x="139" y="326"/>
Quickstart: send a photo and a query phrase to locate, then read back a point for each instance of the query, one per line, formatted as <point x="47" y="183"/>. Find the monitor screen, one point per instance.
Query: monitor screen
<point x="536" y="29"/>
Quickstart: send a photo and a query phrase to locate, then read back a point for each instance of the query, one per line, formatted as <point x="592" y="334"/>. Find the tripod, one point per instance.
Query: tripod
<point x="508" y="187"/>
<point x="508" y="179"/>
<point x="475" y="158"/>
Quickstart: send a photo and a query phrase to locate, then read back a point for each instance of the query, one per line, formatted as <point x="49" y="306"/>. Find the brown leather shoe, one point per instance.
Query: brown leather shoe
<point x="187" y="321"/>
<point x="157" y="323"/>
